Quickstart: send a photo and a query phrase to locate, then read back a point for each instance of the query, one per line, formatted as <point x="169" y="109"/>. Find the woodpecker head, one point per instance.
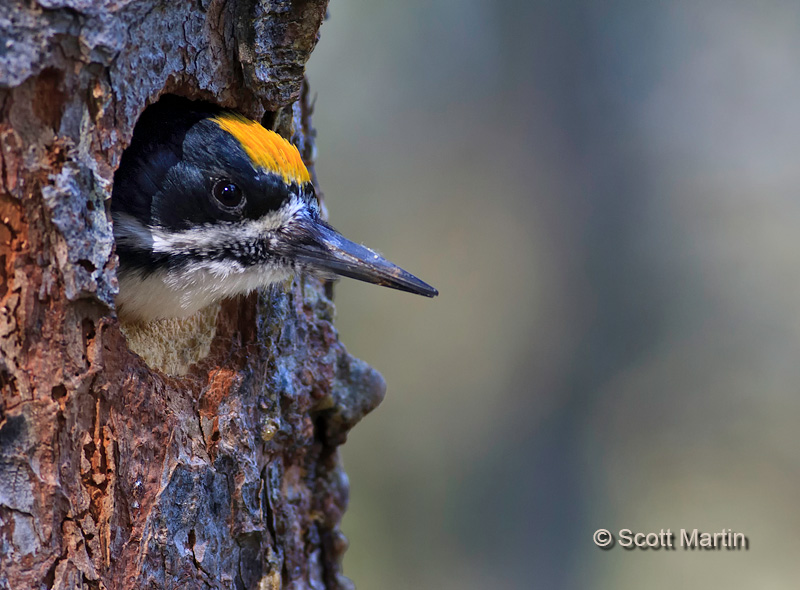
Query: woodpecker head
<point x="208" y="204"/>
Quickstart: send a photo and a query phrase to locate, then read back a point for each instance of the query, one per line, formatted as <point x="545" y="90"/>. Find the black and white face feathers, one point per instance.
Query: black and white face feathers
<point x="180" y="247"/>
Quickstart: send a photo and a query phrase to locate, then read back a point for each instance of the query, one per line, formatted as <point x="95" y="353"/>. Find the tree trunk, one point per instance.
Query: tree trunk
<point x="114" y="474"/>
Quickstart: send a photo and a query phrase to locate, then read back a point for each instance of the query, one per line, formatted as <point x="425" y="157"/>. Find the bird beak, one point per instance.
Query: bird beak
<point x="318" y="247"/>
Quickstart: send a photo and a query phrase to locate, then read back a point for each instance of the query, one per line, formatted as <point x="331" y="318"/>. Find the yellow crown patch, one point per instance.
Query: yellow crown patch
<point x="265" y="148"/>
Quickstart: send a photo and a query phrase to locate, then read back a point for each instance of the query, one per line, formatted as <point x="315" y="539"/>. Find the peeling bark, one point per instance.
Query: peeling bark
<point x="112" y="474"/>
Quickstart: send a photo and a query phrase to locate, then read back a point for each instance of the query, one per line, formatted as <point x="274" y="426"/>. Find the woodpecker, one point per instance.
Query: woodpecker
<point x="208" y="204"/>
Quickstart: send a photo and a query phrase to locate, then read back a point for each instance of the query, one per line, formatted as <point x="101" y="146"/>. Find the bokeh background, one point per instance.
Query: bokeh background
<point x="606" y="195"/>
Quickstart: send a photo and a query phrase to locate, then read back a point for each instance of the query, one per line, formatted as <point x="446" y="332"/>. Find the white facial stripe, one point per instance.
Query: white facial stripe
<point x="129" y="231"/>
<point x="180" y="292"/>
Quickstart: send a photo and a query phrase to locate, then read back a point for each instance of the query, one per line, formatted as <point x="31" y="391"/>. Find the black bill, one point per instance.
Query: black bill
<point x="320" y="248"/>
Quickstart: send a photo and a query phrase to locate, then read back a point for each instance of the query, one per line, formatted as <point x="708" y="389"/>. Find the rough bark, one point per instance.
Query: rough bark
<point x="112" y="474"/>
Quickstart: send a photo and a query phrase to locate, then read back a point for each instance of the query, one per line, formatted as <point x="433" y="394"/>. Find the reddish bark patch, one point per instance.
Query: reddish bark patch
<point x="49" y="98"/>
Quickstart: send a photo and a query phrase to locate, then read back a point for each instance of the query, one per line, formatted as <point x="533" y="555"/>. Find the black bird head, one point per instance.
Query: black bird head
<point x="208" y="204"/>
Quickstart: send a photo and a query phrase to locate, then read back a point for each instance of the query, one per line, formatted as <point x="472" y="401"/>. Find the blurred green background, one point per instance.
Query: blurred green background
<point x="606" y="196"/>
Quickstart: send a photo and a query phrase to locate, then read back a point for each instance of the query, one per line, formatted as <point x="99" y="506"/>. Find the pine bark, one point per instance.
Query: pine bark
<point x="112" y="474"/>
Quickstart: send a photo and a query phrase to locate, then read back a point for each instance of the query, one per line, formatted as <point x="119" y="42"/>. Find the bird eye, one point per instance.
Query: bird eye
<point x="227" y="194"/>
